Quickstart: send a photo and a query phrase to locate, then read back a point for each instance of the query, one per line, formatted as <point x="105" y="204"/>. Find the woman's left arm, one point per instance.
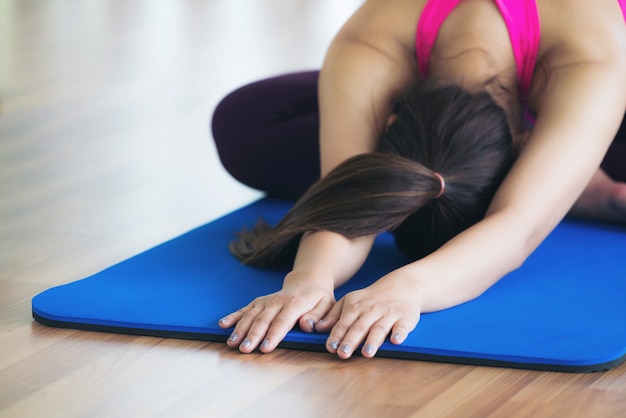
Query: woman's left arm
<point x="578" y="117"/>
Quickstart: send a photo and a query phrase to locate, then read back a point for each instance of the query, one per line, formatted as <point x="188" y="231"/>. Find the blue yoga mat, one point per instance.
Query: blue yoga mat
<point x="564" y="310"/>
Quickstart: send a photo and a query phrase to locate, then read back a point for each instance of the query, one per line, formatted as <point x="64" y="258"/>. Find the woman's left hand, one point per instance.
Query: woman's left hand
<point x="388" y="307"/>
<point x="604" y="199"/>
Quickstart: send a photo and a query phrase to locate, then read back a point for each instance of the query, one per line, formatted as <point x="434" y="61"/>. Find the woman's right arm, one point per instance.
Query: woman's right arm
<point x="367" y="67"/>
<point x="365" y="70"/>
<point x="325" y="260"/>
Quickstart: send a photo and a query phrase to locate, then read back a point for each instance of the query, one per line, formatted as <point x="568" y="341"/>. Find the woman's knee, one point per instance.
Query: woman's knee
<point x="250" y="113"/>
<point x="266" y="132"/>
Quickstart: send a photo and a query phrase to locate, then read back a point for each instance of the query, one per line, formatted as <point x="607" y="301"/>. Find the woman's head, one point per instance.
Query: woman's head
<point x="438" y="132"/>
<point x="465" y="137"/>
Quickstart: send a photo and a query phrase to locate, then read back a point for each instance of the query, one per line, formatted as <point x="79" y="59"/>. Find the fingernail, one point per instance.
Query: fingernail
<point x="265" y="343"/>
<point x="221" y="321"/>
<point x="322" y="321"/>
<point x="311" y="323"/>
<point x="345" y="349"/>
<point x="369" y="349"/>
<point x="246" y="343"/>
<point x="234" y="337"/>
<point x="334" y="344"/>
<point x="396" y="337"/>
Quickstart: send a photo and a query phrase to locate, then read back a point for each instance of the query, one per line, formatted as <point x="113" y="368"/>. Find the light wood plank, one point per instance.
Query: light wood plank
<point x="105" y="151"/>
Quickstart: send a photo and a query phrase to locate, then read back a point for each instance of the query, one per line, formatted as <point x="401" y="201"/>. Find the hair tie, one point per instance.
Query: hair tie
<point x="442" y="183"/>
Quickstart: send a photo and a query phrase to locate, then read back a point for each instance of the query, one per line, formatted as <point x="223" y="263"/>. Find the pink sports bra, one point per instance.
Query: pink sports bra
<point x="522" y="21"/>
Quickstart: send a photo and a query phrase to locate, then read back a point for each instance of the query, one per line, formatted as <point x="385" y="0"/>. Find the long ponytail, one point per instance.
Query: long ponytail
<point x="366" y="194"/>
<point x="440" y="136"/>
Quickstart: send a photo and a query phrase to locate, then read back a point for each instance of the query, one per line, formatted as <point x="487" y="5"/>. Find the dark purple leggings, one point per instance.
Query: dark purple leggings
<point x="615" y="160"/>
<point x="266" y="135"/>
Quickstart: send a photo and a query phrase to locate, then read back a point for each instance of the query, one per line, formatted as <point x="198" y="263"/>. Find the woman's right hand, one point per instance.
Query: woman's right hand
<point x="267" y="319"/>
<point x="604" y="199"/>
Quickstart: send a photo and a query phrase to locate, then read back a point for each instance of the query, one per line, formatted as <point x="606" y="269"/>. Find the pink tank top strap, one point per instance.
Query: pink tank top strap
<point x="522" y="21"/>
<point x="622" y="4"/>
<point x="434" y="14"/>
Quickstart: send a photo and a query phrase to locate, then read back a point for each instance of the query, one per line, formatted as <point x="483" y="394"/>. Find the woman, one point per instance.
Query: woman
<point x="431" y="118"/>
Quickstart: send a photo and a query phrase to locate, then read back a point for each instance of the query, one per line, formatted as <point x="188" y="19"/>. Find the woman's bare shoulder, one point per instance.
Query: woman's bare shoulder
<point x="576" y="33"/>
<point x="579" y="31"/>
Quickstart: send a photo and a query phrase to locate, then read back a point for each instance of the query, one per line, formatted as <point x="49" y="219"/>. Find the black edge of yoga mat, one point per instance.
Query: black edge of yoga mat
<point x="579" y="264"/>
<point x="319" y="348"/>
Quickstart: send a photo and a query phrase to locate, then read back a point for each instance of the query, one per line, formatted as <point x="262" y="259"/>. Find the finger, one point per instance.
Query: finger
<point x="309" y="320"/>
<point x="350" y="313"/>
<point x="256" y="332"/>
<point x="374" y="325"/>
<point x="231" y="319"/>
<point x="278" y="329"/>
<point x="354" y="336"/>
<point x="287" y="318"/>
<point x="243" y="325"/>
<point x="376" y="337"/>
<point x="401" y="330"/>
<point x="619" y="198"/>
<point x="328" y="321"/>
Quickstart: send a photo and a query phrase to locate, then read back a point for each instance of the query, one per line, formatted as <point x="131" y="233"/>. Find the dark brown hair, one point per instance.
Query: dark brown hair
<point x="463" y="136"/>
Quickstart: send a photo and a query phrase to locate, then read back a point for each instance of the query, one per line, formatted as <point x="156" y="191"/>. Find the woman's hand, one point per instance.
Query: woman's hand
<point x="391" y="306"/>
<point x="604" y="199"/>
<point x="267" y="319"/>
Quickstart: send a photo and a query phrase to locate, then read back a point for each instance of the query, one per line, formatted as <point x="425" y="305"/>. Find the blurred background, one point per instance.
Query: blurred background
<point x="105" y="146"/>
<point x="105" y="152"/>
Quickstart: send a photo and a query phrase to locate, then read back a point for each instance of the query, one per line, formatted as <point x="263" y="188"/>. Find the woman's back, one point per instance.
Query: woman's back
<point x="472" y="48"/>
<point x="474" y="43"/>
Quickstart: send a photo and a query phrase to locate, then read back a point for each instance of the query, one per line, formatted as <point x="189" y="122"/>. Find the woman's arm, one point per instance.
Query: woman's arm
<point x="325" y="260"/>
<point x="363" y="73"/>
<point x="366" y="69"/>
<point x="579" y="115"/>
<point x="582" y="107"/>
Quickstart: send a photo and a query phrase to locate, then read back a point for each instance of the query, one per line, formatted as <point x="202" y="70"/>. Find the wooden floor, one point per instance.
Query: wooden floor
<point x="105" y="151"/>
